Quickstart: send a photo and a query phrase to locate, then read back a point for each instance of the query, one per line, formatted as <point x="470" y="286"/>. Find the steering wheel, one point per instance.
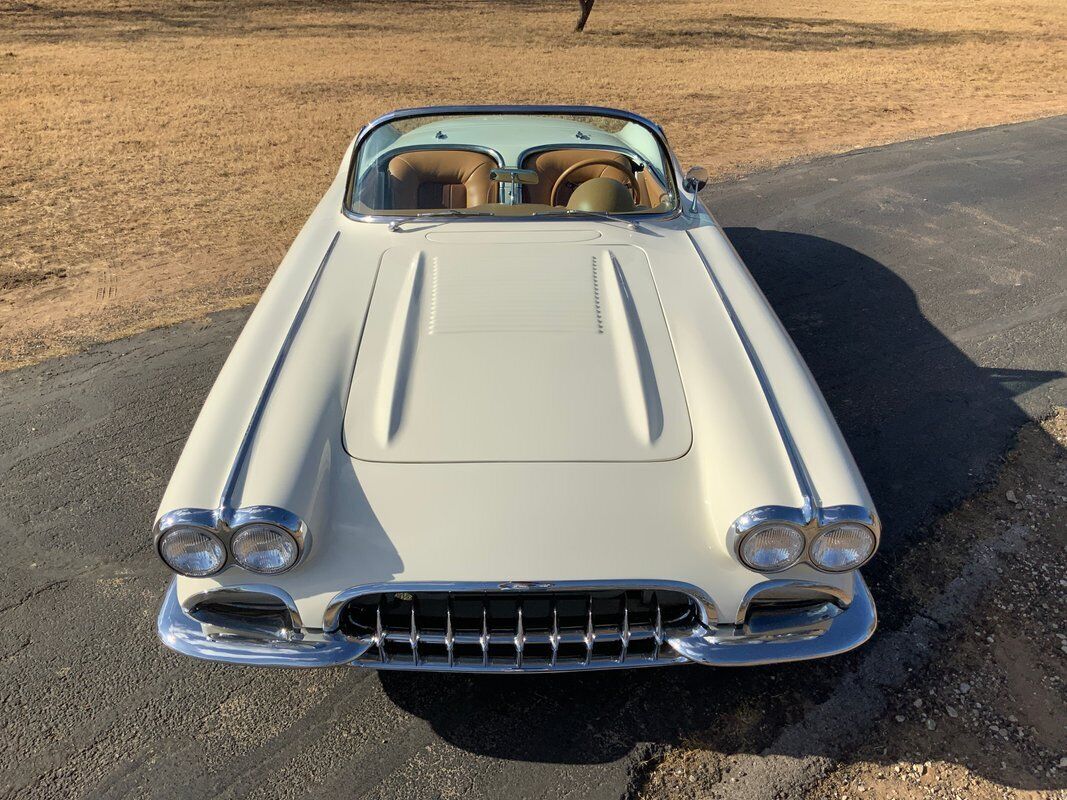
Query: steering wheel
<point x="589" y="162"/>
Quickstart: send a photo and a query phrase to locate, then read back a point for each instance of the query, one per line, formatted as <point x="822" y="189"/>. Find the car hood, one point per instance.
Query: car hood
<point x="515" y="353"/>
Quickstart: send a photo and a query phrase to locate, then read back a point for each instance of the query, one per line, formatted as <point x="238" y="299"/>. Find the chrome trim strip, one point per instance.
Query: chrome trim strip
<point x="803" y="478"/>
<point x="226" y="499"/>
<point x="331" y="620"/>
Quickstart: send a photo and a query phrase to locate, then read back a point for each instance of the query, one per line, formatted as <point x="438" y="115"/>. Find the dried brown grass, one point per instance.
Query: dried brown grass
<point x="158" y="157"/>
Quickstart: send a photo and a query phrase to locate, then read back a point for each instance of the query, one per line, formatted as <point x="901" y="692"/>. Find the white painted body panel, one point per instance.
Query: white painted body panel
<point x="550" y="505"/>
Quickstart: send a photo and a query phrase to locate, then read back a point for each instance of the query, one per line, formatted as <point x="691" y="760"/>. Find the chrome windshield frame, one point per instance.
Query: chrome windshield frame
<point x="672" y="180"/>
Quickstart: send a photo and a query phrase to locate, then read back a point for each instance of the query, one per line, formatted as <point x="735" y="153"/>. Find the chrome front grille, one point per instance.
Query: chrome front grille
<point x="521" y="631"/>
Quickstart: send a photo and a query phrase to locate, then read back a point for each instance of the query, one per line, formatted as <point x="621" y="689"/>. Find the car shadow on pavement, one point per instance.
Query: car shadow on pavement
<point x="927" y="426"/>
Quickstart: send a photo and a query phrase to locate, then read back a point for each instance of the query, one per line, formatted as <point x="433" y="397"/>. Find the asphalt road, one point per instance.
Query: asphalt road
<point x="925" y="283"/>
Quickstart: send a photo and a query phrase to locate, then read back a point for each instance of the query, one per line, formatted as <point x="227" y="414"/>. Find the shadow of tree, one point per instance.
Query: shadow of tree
<point x="56" y="23"/>
<point x="790" y="33"/>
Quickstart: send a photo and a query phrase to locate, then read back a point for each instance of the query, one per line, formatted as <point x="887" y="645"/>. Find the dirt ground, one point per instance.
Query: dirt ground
<point x="989" y="718"/>
<point x="986" y="718"/>
<point x="156" y="158"/>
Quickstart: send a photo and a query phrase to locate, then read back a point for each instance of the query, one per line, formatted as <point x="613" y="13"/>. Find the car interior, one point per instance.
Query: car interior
<point x="596" y="180"/>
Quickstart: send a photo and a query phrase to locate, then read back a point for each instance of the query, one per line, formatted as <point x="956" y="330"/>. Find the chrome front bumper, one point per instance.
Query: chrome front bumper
<point x="785" y="637"/>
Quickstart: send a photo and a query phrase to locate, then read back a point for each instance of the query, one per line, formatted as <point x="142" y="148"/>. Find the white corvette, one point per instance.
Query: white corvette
<point x="513" y="403"/>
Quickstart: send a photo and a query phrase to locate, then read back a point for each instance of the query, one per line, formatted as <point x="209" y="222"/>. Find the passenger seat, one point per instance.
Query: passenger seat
<point x="429" y="179"/>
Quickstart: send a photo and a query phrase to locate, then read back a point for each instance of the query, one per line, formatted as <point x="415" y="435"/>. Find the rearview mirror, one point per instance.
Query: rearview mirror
<point x="514" y="175"/>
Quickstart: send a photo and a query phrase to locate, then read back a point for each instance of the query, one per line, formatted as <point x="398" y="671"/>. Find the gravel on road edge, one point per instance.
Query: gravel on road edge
<point x="968" y="698"/>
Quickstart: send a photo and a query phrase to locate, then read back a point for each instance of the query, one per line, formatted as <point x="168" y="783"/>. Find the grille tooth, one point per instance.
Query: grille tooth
<point x="528" y="630"/>
<point x="554" y="636"/>
<point x="590" y="634"/>
<point x="450" y="638"/>
<point x="520" y="637"/>
<point x="379" y="632"/>
<point x="659" y="627"/>
<point x="414" y="637"/>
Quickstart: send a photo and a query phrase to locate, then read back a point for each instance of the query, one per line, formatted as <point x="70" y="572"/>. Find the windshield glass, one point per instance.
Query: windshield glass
<point x="511" y="164"/>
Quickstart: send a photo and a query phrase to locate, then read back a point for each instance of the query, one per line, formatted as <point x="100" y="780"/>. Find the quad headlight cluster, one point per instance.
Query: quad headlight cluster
<point x="776" y="546"/>
<point x="196" y="547"/>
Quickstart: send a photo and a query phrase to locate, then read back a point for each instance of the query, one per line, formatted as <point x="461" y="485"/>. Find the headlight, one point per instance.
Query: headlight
<point x="263" y="548"/>
<point x="842" y="547"/>
<point x="772" y="548"/>
<point x="192" y="552"/>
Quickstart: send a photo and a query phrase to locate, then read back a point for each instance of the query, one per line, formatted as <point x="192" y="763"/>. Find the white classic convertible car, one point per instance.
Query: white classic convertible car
<point x="513" y="403"/>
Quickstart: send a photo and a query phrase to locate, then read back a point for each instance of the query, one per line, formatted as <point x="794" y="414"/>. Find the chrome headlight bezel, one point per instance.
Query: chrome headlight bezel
<point x="224" y="524"/>
<point x="811" y="524"/>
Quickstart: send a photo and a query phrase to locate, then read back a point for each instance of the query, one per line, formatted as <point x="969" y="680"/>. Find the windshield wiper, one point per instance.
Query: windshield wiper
<point x="577" y="212"/>
<point x="444" y="212"/>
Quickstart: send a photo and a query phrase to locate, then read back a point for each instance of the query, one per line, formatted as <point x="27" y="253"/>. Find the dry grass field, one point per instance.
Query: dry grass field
<point x="156" y="158"/>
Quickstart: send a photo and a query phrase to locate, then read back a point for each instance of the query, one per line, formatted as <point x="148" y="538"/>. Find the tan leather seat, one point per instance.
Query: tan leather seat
<point x="551" y="164"/>
<point x="428" y="179"/>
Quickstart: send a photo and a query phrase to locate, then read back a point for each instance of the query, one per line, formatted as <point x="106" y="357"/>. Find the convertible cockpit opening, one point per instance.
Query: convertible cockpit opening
<point x="510" y="165"/>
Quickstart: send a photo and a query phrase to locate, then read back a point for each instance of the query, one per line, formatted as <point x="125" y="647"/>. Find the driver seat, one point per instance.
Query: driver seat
<point x="551" y="164"/>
